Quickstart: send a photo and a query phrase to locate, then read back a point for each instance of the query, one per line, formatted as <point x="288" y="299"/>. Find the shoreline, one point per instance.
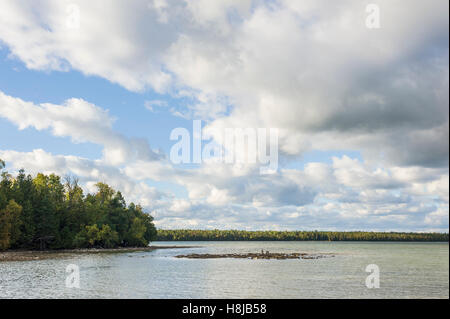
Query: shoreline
<point x="27" y="255"/>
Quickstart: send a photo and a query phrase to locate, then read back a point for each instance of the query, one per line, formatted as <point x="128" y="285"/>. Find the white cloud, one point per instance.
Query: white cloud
<point x="88" y="171"/>
<point x="358" y="208"/>
<point x="153" y="105"/>
<point x="310" y="68"/>
<point x="103" y="45"/>
<point x="281" y="64"/>
<point x="79" y="120"/>
<point x="346" y="191"/>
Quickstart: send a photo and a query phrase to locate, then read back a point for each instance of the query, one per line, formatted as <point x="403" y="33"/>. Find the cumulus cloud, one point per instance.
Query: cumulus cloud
<point x="81" y="121"/>
<point x="88" y="171"/>
<point x="310" y="68"/>
<point x="313" y="198"/>
<point x="103" y="41"/>
<point x="346" y="191"/>
<point x="296" y="66"/>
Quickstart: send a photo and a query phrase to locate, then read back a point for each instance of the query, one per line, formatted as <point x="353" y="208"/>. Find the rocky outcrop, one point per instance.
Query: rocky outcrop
<point x="262" y="255"/>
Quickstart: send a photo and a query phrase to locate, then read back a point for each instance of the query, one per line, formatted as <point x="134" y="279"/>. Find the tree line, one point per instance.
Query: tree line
<point x="45" y="212"/>
<point x="235" y="235"/>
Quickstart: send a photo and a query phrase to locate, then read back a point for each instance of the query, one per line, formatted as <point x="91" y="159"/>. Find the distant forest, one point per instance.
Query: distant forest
<point x="45" y="213"/>
<point x="230" y="235"/>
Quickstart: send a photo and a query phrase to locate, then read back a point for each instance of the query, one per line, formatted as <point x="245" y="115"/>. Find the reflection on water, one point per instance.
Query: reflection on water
<point x="407" y="270"/>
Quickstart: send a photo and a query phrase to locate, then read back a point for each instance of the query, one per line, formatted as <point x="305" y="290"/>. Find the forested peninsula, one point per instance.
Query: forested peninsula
<point x="235" y="235"/>
<point x="45" y="212"/>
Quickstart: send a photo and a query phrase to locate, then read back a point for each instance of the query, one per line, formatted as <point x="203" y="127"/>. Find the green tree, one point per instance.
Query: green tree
<point x="42" y="208"/>
<point x="107" y="237"/>
<point x="136" y="234"/>
<point x="5" y="229"/>
<point x="9" y="224"/>
<point x="15" y="211"/>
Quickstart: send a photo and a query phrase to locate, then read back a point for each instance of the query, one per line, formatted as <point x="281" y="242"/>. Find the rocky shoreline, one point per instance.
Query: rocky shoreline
<point x="262" y="255"/>
<point x="25" y="255"/>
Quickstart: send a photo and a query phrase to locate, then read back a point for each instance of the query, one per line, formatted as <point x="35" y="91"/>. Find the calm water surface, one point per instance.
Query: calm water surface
<point x="407" y="270"/>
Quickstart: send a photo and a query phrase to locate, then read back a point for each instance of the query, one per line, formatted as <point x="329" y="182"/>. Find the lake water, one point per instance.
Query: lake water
<point x="407" y="270"/>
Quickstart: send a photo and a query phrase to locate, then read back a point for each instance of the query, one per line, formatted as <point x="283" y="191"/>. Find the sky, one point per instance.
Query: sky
<point x="95" y="88"/>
